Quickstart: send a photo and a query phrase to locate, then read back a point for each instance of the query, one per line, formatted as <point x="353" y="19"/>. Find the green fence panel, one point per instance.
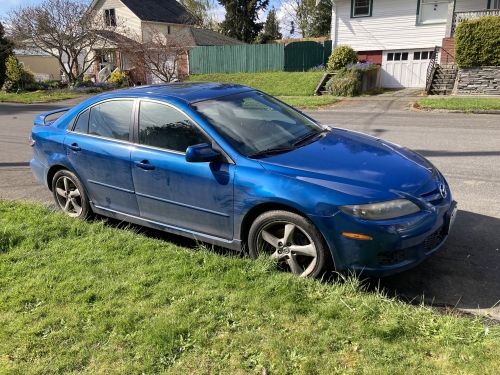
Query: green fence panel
<point x="236" y="59"/>
<point x="327" y="50"/>
<point x="301" y="56"/>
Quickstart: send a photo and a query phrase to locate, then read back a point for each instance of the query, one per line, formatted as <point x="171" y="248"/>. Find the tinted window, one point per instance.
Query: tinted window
<point x="165" y="127"/>
<point x="111" y="119"/>
<point x="82" y="124"/>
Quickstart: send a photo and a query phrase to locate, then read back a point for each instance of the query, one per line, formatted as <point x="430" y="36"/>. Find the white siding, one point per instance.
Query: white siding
<point x="123" y="14"/>
<point x="466" y="5"/>
<point x="391" y="27"/>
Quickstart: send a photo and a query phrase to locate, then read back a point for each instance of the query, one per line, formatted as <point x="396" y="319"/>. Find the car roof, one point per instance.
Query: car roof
<point x="186" y="91"/>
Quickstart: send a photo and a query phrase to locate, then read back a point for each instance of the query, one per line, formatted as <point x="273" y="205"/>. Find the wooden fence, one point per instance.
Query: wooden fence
<point x="294" y="57"/>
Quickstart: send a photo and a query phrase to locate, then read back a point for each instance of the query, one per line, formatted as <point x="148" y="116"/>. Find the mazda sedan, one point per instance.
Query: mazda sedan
<point x="231" y="166"/>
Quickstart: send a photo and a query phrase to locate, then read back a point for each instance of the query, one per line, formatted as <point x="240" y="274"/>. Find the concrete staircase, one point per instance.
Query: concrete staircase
<point x="443" y="81"/>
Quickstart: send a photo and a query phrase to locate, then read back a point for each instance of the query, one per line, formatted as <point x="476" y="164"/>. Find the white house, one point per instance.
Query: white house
<point x="401" y="35"/>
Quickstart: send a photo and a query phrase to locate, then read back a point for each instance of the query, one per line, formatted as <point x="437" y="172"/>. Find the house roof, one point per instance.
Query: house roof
<point x="30" y="52"/>
<point x="169" y="11"/>
<point x="205" y="37"/>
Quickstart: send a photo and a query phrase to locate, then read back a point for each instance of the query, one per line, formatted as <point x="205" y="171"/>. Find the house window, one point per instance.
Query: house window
<point x="109" y="17"/>
<point x="168" y="30"/>
<point x="494" y="4"/>
<point x="432" y="11"/>
<point x="361" y="8"/>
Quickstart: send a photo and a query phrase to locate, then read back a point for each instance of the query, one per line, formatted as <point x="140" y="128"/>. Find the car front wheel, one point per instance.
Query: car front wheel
<point x="292" y="240"/>
<point x="70" y="195"/>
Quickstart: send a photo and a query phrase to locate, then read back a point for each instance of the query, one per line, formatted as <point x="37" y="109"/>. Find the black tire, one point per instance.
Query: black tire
<point x="70" y="195"/>
<point x="293" y="240"/>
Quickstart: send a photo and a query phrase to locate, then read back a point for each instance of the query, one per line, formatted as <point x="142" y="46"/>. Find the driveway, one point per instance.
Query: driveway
<point x="465" y="272"/>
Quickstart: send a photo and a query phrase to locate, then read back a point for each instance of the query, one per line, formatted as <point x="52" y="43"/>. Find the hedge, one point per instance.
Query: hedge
<point x="477" y="42"/>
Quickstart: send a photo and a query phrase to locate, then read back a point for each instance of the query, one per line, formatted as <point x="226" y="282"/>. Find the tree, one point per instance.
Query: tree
<point x="203" y="11"/>
<point x="6" y="46"/>
<point x="16" y="72"/>
<point x="313" y="20"/>
<point x="271" y="28"/>
<point x="241" y="18"/>
<point x="156" y="53"/>
<point x="66" y="29"/>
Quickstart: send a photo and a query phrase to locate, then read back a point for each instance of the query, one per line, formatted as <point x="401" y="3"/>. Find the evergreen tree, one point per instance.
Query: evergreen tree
<point x="271" y="28"/>
<point x="321" y="19"/>
<point x="312" y="18"/>
<point x="241" y="18"/>
<point x="5" y="50"/>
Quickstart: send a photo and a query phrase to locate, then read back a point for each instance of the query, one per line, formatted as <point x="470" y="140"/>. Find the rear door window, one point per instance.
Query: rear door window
<point x="111" y="119"/>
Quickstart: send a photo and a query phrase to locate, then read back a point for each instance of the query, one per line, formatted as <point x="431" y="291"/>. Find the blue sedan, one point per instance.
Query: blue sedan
<point x="231" y="166"/>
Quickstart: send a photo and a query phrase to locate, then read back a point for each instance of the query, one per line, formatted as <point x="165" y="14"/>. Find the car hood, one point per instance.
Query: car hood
<point x="356" y="164"/>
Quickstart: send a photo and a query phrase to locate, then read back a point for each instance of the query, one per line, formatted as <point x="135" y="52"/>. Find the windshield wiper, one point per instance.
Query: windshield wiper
<point x="309" y="135"/>
<point x="271" y="151"/>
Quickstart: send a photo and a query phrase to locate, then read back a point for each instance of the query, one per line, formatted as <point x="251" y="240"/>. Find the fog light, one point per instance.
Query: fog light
<point x="357" y="236"/>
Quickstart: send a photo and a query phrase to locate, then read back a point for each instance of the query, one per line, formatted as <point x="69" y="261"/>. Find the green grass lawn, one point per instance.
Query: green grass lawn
<point x="273" y="83"/>
<point x="465" y="104"/>
<point x="38" y="96"/>
<point x="86" y="298"/>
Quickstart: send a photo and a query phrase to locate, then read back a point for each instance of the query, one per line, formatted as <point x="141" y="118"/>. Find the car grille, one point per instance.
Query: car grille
<point x="434" y="240"/>
<point x="391" y="258"/>
<point x="433" y="197"/>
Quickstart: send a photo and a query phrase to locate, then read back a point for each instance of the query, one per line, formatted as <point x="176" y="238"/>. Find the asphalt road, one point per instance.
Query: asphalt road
<point x="465" y="272"/>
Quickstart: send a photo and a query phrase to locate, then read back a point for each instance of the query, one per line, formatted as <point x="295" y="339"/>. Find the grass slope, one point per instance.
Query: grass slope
<point x="464" y="104"/>
<point x="38" y="96"/>
<point x="85" y="298"/>
<point x="273" y="83"/>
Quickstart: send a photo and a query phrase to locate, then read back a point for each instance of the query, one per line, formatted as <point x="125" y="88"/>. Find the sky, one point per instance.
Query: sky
<point x="6" y="5"/>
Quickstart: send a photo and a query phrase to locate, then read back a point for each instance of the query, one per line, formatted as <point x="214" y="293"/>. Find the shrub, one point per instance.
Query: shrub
<point x="342" y="56"/>
<point x="364" y="65"/>
<point x="16" y="72"/>
<point x="477" y="42"/>
<point x="117" y="77"/>
<point x="318" y="68"/>
<point x="8" y="86"/>
<point x="347" y="82"/>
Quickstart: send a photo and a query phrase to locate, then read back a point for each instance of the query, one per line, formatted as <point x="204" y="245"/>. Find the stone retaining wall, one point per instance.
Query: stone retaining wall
<point x="479" y="81"/>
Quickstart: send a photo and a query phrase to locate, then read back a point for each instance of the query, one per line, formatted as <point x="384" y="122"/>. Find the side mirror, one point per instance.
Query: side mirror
<point x="200" y="153"/>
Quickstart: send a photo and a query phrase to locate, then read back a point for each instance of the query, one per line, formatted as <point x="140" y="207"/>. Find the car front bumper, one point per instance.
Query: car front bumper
<point x="396" y="245"/>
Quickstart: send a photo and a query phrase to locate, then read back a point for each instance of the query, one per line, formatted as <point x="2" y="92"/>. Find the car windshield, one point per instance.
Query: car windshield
<point x="256" y="124"/>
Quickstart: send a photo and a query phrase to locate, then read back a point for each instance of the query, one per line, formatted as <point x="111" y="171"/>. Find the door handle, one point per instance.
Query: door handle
<point x="74" y="147"/>
<point x="144" y="164"/>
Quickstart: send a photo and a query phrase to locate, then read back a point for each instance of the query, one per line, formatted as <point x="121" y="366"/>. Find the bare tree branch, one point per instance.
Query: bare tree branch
<point x="66" y="29"/>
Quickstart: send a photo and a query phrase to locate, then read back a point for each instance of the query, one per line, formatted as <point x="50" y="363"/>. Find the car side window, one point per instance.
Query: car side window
<point x="82" y="124"/>
<point x="111" y="119"/>
<point x="165" y="127"/>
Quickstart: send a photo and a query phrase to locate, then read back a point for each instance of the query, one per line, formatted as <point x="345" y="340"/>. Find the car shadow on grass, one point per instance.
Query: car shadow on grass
<point x="464" y="273"/>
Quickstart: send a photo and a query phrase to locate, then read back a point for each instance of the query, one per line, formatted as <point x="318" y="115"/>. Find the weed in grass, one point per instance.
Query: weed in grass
<point x="88" y="298"/>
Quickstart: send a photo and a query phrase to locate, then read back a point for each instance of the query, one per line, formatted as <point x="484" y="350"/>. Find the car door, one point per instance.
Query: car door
<point x="193" y="196"/>
<point x="98" y="149"/>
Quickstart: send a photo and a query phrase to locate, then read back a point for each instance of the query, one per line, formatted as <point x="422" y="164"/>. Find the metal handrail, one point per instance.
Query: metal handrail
<point x="430" y="69"/>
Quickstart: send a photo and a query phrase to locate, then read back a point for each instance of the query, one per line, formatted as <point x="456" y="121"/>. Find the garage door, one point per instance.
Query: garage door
<point x="405" y="68"/>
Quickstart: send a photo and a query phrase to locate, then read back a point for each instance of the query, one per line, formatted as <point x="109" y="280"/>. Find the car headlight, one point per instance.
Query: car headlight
<point x="381" y="210"/>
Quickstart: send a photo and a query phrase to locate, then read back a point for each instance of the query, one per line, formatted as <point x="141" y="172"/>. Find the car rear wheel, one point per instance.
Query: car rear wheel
<point x="292" y="240"/>
<point x="70" y="195"/>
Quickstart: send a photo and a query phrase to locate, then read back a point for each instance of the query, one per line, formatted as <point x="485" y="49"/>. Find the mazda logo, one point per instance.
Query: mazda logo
<point x="442" y="190"/>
